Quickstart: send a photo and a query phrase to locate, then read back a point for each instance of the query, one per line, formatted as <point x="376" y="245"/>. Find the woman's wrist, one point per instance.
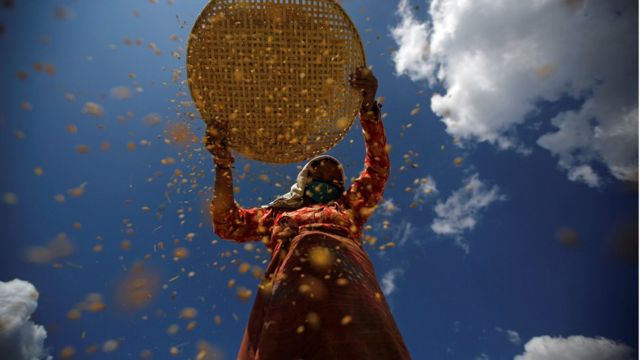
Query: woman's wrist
<point x="223" y="167"/>
<point x="223" y="162"/>
<point x="370" y="110"/>
<point x="368" y="104"/>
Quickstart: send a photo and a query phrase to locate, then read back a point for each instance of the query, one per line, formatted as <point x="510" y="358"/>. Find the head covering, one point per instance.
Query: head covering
<point x="294" y="198"/>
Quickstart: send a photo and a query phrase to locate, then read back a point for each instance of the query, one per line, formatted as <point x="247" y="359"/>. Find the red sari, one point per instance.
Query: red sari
<point x="320" y="298"/>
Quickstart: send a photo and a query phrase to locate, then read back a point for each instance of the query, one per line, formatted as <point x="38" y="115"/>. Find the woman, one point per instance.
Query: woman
<point x="319" y="298"/>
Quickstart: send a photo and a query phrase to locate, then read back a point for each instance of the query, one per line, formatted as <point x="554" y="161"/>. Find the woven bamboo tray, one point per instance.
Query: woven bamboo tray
<point x="275" y="73"/>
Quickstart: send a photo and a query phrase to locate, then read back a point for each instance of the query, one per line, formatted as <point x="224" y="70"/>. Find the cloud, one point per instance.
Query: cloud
<point x="499" y="60"/>
<point x="404" y="233"/>
<point x="460" y="212"/>
<point x="389" y="207"/>
<point x="389" y="280"/>
<point x="20" y="338"/>
<point x="574" y="347"/>
<point x="426" y="188"/>
<point x="512" y="335"/>
<point x="412" y="36"/>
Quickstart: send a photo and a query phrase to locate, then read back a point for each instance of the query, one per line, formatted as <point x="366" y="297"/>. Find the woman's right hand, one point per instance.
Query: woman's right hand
<point x="217" y="144"/>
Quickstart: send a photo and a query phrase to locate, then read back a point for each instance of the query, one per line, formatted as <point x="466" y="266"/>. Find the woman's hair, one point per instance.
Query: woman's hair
<point x="315" y="162"/>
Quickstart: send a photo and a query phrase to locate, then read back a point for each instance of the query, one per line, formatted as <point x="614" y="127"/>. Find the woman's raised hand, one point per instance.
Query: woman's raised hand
<point x="217" y="144"/>
<point x="364" y="80"/>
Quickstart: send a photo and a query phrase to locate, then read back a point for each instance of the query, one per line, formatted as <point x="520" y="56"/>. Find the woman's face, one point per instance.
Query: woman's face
<point x="325" y="171"/>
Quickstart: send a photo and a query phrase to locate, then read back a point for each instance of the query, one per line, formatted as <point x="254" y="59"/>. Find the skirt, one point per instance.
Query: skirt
<point x="320" y="299"/>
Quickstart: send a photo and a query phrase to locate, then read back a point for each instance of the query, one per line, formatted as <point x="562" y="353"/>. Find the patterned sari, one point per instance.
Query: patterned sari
<point x="320" y="298"/>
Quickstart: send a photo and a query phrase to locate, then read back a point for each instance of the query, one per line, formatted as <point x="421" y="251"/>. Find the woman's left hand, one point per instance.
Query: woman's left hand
<point x="364" y="80"/>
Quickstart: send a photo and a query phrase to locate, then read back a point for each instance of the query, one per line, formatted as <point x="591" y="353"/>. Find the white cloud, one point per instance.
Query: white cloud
<point x="412" y="56"/>
<point x="427" y="187"/>
<point x="389" y="207"/>
<point x="389" y="280"/>
<point x="512" y="335"/>
<point x="404" y="233"/>
<point x="574" y="347"/>
<point x="460" y="212"/>
<point x="498" y="59"/>
<point x="20" y="338"/>
<point x="583" y="173"/>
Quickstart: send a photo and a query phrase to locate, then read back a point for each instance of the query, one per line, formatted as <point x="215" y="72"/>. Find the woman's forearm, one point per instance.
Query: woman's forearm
<point x="230" y="220"/>
<point x="223" y="201"/>
<point x="377" y="154"/>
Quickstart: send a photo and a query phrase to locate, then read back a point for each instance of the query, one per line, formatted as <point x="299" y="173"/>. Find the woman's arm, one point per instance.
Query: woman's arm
<point x="366" y="191"/>
<point x="231" y="221"/>
<point x="223" y="204"/>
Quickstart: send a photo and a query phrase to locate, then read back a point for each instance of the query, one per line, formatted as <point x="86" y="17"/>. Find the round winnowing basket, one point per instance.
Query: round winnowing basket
<point x="275" y="74"/>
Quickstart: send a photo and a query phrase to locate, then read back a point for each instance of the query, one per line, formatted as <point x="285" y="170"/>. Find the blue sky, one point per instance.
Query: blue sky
<point x="529" y="238"/>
